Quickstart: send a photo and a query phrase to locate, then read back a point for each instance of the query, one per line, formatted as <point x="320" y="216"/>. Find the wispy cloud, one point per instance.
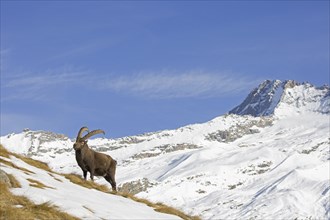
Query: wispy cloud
<point x="151" y="85"/>
<point x="37" y="86"/>
<point x="173" y="84"/>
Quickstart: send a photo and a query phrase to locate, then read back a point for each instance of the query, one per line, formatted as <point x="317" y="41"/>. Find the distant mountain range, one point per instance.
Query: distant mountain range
<point x="268" y="158"/>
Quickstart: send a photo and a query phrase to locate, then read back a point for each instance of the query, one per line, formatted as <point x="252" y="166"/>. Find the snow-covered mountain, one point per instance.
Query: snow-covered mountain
<point x="276" y="97"/>
<point x="267" y="159"/>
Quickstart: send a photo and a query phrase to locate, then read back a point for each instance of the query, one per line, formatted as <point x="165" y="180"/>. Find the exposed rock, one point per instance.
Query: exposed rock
<point x="239" y="130"/>
<point x="200" y="191"/>
<point x="135" y="187"/>
<point x="167" y="148"/>
<point x="38" y="140"/>
<point x="257" y="169"/>
<point x="269" y="95"/>
<point x="291" y="84"/>
<point x="145" y="155"/>
<point x="259" y="101"/>
<point x="230" y="187"/>
<point x="314" y="148"/>
<point x="4" y="178"/>
<point x="106" y="147"/>
<point x="131" y="140"/>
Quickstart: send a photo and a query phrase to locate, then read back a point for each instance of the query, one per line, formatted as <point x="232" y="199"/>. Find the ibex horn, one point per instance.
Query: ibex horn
<point x="81" y="131"/>
<point x="90" y="134"/>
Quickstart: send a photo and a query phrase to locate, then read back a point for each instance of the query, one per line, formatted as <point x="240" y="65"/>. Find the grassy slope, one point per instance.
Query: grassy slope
<point x="19" y="207"/>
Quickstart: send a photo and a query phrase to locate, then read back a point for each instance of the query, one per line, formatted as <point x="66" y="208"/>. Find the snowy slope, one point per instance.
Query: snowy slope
<point x="269" y="162"/>
<point x="76" y="200"/>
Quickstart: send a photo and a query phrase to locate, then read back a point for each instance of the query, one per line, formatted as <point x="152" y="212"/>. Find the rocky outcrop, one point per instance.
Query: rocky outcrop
<point x="270" y="95"/>
<point x="4" y="178"/>
<point x="261" y="99"/>
<point x="239" y="130"/>
<point x="166" y="148"/>
<point x="137" y="186"/>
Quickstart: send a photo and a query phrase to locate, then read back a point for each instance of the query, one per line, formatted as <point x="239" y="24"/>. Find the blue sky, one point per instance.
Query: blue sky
<point x="141" y="66"/>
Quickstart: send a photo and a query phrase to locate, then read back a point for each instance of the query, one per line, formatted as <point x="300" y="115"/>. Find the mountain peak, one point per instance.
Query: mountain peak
<point x="272" y="95"/>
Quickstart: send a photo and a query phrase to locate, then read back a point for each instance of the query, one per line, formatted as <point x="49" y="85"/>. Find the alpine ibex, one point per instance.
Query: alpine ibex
<point x="97" y="164"/>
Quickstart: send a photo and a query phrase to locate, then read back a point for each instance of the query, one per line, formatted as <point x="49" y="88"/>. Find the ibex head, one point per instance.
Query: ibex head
<point x="81" y="141"/>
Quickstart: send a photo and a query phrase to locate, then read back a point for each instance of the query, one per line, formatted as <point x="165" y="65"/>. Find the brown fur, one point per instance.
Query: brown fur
<point x="97" y="164"/>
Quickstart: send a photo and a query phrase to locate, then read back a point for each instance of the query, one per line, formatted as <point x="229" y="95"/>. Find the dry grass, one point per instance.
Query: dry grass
<point x="37" y="184"/>
<point x="35" y="163"/>
<point x="19" y="207"/>
<point x="4" y="152"/>
<point x="32" y="211"/>
<point x="159" y="207"/>
<point x="74" y="178"/>
<point x="13" y="181"/>
<point x="8" y="163"/>
<point x="170" y="210"/>
<point x="50" y="174"/>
